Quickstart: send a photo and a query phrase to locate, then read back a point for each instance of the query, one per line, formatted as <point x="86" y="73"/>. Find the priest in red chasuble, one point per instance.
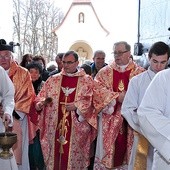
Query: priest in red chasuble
<point x="67" y="119"/>
<point x="114" y="138"/>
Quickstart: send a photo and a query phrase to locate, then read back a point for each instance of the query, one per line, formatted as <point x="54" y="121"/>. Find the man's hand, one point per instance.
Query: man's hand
<point x="70" y="106"/>
<point x="39" y="106"/>
<point x="46" y="102"/>
<point x="6" y="118"/>
<point x="121" y="96"/>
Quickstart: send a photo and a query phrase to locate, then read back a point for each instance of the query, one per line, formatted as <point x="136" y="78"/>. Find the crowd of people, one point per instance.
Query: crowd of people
<point x="94" y="116"/>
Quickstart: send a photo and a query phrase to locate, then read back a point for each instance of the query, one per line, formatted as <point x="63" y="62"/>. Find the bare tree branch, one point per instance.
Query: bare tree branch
<point x="33" y="23"/>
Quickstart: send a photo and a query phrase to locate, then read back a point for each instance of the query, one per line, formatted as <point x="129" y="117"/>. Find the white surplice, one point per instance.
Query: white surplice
<point x="25" y="141"/>
<point x="6" y="92"/>
<point x="7" y="100"/>
<point x="154" y="118"/>
<point x="136" y="89"/>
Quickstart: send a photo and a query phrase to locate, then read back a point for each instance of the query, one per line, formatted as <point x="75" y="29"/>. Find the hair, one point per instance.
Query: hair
<point x="34" y="65"/>
<point x="60" y="55"/>
<point x="99" y="52"/>
<point x="39" y="57"/>
<point x="51" y="68"/>
<point x="24" y="59"/>
<point x="127" y="46"/>
<point x="87" y="68"/>
<point x="159" y="48"/>
<point x="76" y="57"/>
<point x="88" y="62"/>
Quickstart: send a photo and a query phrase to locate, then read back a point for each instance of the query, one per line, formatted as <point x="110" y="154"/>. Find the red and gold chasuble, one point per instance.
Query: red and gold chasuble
<point x="67" y="140"/>
<point x="116" y="135"/>
<point x="64" y="128"/>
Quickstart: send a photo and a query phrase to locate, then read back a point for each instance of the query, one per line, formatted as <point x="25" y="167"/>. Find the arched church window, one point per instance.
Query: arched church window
<point x="81" y="17"/>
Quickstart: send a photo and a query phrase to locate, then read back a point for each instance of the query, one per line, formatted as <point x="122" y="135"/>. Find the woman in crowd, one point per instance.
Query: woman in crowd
<point x="40" y="59"/>
<point x="35" y="152"/>
<point x="26" y="59"/>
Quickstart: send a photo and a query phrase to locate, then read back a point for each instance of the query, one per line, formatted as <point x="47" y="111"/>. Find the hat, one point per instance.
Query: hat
<point x="4" y="46"/>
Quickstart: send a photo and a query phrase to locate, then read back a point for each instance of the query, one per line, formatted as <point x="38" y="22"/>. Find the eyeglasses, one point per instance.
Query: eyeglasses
<point x="119" y="53"/>
<point x="68" y="62"/>
<point x="6" y="57"/>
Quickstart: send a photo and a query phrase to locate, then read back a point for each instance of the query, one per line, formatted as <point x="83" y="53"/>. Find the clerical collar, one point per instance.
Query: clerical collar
<point x="122" y="68"/>
<point x="71" y="74"/>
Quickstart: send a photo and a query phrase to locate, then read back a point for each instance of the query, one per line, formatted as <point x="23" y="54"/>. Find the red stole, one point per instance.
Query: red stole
<point x="120" y="83"/>
<point x="118" y="76"/>
<point x="62" y="159"/>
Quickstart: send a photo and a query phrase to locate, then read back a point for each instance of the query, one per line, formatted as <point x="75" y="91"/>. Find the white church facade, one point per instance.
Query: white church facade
<point x="82" y="31"/>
